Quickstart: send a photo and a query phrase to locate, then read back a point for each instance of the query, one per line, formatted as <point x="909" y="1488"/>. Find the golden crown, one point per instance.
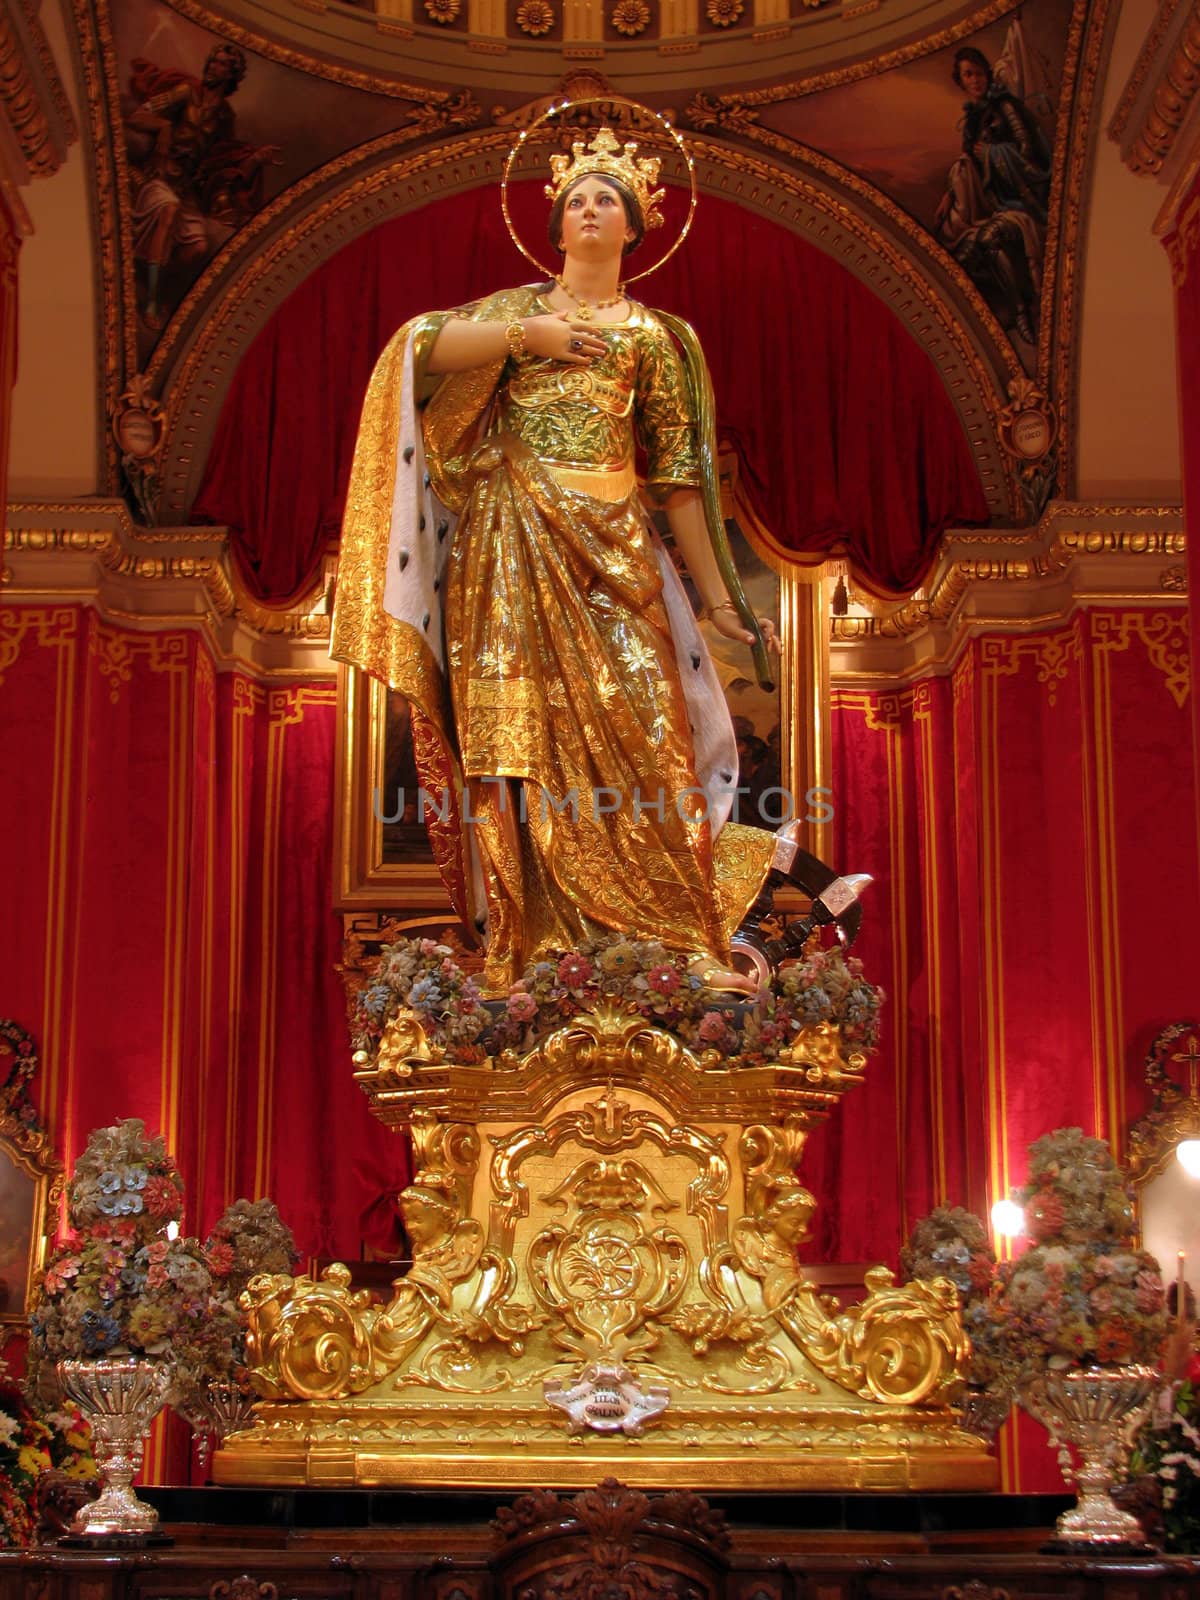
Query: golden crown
<point x="608" y="158"/>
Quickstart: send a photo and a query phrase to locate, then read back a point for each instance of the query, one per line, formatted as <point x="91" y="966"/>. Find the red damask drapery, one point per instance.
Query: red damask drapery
<point x="10" y="246"/>
<point x="1183" y="248"/>
<point x="844" y="431"/>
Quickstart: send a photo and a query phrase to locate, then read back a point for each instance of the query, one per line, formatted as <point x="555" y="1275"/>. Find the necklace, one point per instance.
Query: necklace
<point x="587" y="307"/>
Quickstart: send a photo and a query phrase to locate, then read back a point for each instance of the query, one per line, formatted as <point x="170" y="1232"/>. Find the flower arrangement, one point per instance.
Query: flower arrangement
<point x="954" y="1243"/>
<point x="250" y="1237"/>
<point x="118" y="1285"/>
<point x="18" y="1066"/>
<point x="643" y="975"/>
<point x="422" y="976"/>
<point x="1083" y="1295"/>
<point x="1166" y="1462"/>
<point x="32" y="1444"/>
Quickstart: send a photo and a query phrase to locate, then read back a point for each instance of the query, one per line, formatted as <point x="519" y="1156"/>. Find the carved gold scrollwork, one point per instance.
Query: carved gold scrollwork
<point x="604" y="1041"/>
<point x="608" y="1273"/>
<point x="138" y="429"/>
<point x="829" y="1066"/>
<point x="609" y="1123"/>
<point x="308" y="1338"/>
<point x="902" y="1346"/>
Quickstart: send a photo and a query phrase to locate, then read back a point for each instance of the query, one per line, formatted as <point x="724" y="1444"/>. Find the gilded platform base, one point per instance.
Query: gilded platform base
<point x="605" y="1283"/>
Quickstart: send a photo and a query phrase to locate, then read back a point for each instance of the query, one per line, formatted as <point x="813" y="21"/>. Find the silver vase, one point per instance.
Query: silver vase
<point x="120" y="1398"/>
<point x="983" y="1413"/>
<point x="1092" y="1411"/>
<point x="218" y="1408"/>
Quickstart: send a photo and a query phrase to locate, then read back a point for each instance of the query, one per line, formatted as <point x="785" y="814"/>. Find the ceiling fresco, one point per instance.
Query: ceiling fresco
<point x="949" y="130"/>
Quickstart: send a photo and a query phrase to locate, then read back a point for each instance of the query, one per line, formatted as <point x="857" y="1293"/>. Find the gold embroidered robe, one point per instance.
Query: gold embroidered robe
<point x="499" y="571"/>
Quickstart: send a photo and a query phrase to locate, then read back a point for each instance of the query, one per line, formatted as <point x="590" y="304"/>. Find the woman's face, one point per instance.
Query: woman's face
<point x="594" y="224"/>
<point x="972" y="80"/>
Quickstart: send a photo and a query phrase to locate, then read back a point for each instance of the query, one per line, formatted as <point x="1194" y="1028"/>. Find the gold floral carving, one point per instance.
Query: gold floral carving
<point x="724" y="13"/>
<point x="630" y="17"/>
<point x="535" y="17"/>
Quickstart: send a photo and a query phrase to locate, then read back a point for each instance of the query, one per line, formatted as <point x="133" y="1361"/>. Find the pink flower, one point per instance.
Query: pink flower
<point x="157" y="1250"/>
<point x="160" y="1197"/>
<point x="220" y="1258"/>
<point x="1148" y="1293"/>
<point x="60" y="1273"/>
<point x="712" y="1027"/>
<point x="1044" y="1215"/>
<point x="156" y="1277"/>
<point x="521" y="1007"/>
<point x="979" y="1270"/>
<point x="574" y="971"/>
<point x="428" y="947"/>
<point x="663" y="980"/>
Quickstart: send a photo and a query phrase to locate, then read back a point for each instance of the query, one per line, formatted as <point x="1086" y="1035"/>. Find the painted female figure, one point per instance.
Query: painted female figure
<point x="498" y="568"/>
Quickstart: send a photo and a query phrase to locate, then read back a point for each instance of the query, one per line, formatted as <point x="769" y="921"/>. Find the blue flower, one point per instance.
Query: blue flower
<point x="99" y="1332"/>
<point x="109" y="1181"/>
<point x="814" y="1005"/>
<point x="375" y="1000"/>
<point x="425" y="994"/>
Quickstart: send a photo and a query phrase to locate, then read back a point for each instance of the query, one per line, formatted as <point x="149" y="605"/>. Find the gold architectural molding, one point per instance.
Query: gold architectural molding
<point x="233" y="301"/>
<point x="92" y="553"/>
<point x="32" y="97"/>
<point x="738" y="105"/>
<point x="1058" y="335"/>
<point x="1160" y="91"/>
<point x="116" y="318"/>
<point x="348" y="42"/>
<point x="33" y="109"/>
<point x="1078" y="555"/>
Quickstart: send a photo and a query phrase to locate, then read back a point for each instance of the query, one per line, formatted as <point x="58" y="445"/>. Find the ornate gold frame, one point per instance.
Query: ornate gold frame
<point x="47" y="1191"/>
<point x="25" y="1144"/>
<point x="1174" y="1114"/>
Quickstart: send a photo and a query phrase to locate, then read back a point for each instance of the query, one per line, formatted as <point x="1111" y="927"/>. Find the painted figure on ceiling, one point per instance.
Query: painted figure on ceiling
<point x="194" y="183"/>
<point x="498" y="568"/>
<point x="992" y="217"/>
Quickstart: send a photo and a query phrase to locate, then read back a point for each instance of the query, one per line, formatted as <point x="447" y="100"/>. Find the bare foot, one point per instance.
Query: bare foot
<point x="723" y="979"/>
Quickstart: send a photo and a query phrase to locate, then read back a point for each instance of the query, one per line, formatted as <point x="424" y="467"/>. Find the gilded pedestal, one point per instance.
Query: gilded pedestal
<point x="605" y="1282"/>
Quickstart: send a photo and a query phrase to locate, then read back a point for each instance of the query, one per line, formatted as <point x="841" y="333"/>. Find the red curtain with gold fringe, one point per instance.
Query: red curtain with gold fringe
<point x="843" y="427"/>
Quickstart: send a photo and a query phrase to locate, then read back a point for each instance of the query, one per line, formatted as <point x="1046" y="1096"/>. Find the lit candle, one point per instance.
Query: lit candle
<point x="1181" y="1291"/>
